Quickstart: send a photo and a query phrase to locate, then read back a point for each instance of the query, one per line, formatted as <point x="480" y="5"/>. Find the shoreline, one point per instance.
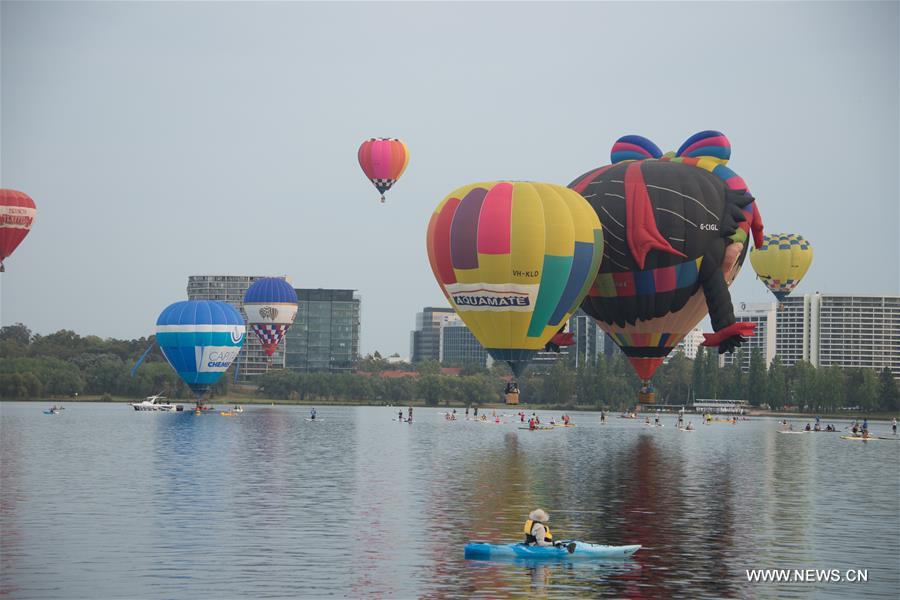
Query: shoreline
<point x="232" y="399"/>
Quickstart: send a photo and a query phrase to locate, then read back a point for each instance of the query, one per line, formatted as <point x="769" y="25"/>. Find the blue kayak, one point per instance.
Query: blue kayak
<point x="485" y="551"/>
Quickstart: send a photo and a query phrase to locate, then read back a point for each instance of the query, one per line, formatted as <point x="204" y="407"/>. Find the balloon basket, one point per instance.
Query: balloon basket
<point x="646" y="397"/>
<point x="512" y="398"/>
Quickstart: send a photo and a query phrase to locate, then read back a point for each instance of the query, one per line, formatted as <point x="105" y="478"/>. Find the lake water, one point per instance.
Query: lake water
<point x="103" y="502"/>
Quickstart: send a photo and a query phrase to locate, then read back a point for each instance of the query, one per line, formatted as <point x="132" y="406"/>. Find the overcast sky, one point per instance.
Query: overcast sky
<point x="161" y="140"/>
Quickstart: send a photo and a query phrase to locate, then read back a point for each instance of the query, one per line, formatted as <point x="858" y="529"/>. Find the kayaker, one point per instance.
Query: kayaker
<point x="854" y="429"/>
<point x="531" y="424"/>
<point x="808" y="428"/>
<point x="537" y="533"/>
<point x="690" y="426"/>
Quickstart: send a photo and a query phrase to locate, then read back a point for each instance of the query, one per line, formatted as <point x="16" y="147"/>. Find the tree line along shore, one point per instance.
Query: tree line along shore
<point x="66" y="365"/>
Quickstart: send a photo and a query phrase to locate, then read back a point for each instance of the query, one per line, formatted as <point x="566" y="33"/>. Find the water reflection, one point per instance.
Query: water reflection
<point x="103" y="502"/>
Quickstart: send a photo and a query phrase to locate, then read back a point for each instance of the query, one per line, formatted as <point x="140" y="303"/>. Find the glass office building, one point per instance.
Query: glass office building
<point x="325" y="334"/>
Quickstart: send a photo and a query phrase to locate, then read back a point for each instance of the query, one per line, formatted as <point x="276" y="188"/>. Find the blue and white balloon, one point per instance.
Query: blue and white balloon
<point x="200" y="339"/>
<point x="271" y="306"/>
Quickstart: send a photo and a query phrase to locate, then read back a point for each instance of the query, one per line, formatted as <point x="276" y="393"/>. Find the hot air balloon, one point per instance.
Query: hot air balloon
<point x="781" y="262"/>
<point x="514" y="259"/>
<point x="676" y="232"/>
<point x="200" y="339"/>
<point x="17" y="212"/>
<point x="383" y="160"/>
<point x="271" y="305"/>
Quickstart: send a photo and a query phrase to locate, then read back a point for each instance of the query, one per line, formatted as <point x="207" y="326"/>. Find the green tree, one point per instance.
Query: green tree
<point x="802" y="384"/>
<point x="756" y="378"/>
<point x="711" y="373"/>
<point x="17" y="333"/>
<point x="432" y="388"/>
<point x="887" y="391"/>
<point x="698" y="375"/>
<point x="673" y="379"/>
<point x="866" y="391"/>
<point x="428" y="367"/>
<point x="732" y="381"/>
<point x="776" y="384"/>
<point x="559" y="384"/>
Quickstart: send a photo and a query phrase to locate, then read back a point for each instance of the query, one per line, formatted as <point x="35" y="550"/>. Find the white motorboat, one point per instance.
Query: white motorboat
<point x="156" y="403"/>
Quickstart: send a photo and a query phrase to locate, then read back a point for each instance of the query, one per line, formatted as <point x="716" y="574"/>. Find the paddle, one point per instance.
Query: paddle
<point x="570" y="546"/>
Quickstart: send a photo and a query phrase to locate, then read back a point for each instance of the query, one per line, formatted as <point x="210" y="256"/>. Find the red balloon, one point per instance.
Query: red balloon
<point x="17" y="212"/>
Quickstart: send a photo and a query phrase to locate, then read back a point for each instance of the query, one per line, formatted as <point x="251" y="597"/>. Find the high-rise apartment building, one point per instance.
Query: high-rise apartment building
<point x="846" y="330"/>
<point x="252" y="360"/>
<point x="764" y="338"/>
<point x="325" y="334"/>
<point x="425" y="341"/>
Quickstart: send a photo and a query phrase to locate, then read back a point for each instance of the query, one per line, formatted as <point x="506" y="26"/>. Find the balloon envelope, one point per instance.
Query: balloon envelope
<point x="200" y="339"/>
<point x="17" y="212"/>
<point x="514" y="259"/>
<point x="271" y="306"/>
<point x="676" y="227"/>
<point x="781" y="262"/>
<point x="383" y="160"/>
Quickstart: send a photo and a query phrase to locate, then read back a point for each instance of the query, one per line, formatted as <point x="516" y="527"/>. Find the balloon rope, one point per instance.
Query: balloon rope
<point x="141" y="360"/>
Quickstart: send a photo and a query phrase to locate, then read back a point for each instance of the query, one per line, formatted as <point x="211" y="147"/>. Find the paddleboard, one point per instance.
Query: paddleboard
<point x="869" y="439"/>
<point x="797" y="432"/>
<point x="317" y="419"/>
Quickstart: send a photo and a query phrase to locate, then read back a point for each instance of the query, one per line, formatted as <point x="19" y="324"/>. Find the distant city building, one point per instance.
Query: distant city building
<point x="458" y="346"/>
<point x="687" y="346"/>
<point x="691" y="343"/>
<point x="590" y="340"/>
<point x="252" y="360"/>
<point x="441" y="335"/>
<point x="424" y="342"/>
<point x="325" y="334"/>
<point x="845" y="330"/>
<point x="764" y="338"/>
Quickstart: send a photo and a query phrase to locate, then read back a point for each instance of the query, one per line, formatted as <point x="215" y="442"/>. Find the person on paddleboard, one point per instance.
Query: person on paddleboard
<point x="865" y="426"/>
<point x="400" y="416"/>
<point x="894" y="425"/>
<point x="537" y="533"/>
<point x="409" y="418"/>
<point x="312" y="414"/>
